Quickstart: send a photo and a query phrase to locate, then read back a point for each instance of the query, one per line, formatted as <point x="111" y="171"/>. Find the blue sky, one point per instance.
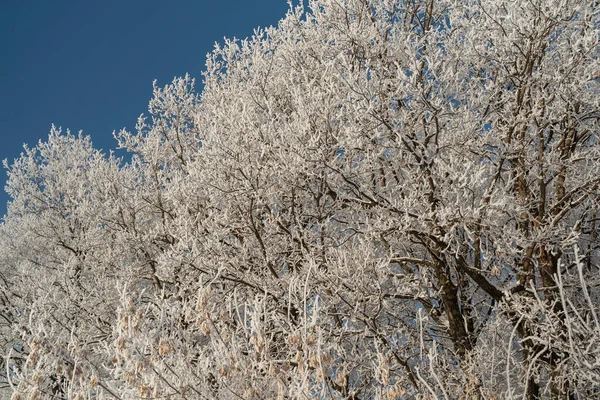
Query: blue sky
<point x="89" y="65"/>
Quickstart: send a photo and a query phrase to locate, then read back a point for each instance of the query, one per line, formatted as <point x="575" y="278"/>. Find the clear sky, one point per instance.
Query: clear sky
<point x="89" y="65"/>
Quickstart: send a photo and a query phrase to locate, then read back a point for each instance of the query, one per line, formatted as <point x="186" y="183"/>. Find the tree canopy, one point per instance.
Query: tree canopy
<point x="376" y="199"/>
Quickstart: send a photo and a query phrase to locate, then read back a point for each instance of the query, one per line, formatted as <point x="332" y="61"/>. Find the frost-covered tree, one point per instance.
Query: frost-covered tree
<point x="374" y="199"/>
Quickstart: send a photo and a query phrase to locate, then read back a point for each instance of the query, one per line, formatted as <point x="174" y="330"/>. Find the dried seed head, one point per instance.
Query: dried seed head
<point x="34" y="395"/>
<point x="205" y="328"/>
<point x="272" y="371"/>
<point x="395" y="392"/>
<point x="298" y="357"/>
<point x="341" y="379"/>
<point x="249" y="393"/>
<point x="293" y="339"/>
<point x="144" y="390"/>
<point x="165" y="346"/>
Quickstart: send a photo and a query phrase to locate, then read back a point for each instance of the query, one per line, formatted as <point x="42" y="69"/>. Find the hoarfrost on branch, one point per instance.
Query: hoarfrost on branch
<point x="374" y="199"/>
